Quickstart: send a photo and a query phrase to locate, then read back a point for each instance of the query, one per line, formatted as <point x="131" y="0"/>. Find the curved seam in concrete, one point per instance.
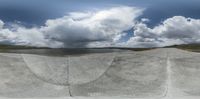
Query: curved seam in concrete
<point x="40" y="78"/>
<point x="110" y="65"/>
<point x="120" y="77"/>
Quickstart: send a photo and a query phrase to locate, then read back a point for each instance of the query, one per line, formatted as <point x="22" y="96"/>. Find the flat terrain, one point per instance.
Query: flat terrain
<point x="165" y="73"/>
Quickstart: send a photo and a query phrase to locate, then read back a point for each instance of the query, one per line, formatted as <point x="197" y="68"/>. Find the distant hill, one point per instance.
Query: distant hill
<point x="189" y="47"/>
<point x="7" y="46"/>
<point x="4" y="46"/>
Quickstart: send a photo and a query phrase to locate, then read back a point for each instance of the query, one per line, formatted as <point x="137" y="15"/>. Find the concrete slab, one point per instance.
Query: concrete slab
<point x="154" y="74"/>
<point x="18" y="81"/>
<point x="130" y="75"/>
<point x="50" y="69"/>
<point x="177" y="53"/>
<point x="160" y="53"/>
<point x="84" y="69"/>
<point x="186" y="76"/>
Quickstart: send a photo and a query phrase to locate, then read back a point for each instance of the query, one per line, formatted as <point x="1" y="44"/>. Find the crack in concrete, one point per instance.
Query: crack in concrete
<point x="40" y="78"/>
<point x="168" y="93"/>
<point x="68" y="74"/>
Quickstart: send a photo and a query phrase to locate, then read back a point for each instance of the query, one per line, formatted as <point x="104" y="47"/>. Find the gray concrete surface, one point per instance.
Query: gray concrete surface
<point x="84" y="69"/>
<point x="129" y="75"/>
<point x="17" y="80"/>
<point x="154" y="74"/>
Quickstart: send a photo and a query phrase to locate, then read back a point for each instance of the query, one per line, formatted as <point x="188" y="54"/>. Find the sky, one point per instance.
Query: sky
<point x="99" y="23"/>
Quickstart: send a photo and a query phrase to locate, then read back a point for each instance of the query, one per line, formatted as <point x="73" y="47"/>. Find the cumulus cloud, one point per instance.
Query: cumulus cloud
<point x="77" y="29"/>
<point x="19" y="35"/>
<point x="104" y="28"/>
<point x="175" y="30"/>
<point x="1" y="24"/>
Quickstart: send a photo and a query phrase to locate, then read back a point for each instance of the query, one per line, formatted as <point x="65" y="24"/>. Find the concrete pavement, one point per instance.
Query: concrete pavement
<point x="154" y="74"/>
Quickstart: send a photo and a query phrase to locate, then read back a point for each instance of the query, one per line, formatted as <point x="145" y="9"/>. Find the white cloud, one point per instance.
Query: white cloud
<point x="23" y="36"/>
<point x="145" y="20"/>
<point x="80" y="29"/>
<point x="77" y="29"/>
<point x="1" y="24"/>
<point x="175" y="30"/>
<point x="104" y="28"/>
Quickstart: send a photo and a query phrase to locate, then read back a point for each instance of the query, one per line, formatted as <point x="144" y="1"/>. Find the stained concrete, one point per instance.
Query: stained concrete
<point x="154" y="74"/>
